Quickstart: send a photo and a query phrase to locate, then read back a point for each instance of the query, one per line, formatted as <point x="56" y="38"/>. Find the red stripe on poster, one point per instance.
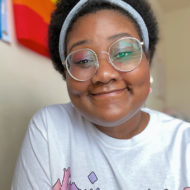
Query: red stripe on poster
<point x="31" y="30"/>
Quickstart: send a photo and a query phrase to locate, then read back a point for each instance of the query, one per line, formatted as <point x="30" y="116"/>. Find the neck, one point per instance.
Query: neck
<point x="128" y="129"/>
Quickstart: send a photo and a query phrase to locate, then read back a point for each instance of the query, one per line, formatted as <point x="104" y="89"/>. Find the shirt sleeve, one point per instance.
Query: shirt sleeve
<point x="32" y="170"/>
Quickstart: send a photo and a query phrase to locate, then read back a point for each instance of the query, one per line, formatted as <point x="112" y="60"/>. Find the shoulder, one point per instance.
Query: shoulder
<point x="163" y="118"/>
<point x="56" y="111"/>
<point x="168" y="125"/>
<point x="55" y="116"/>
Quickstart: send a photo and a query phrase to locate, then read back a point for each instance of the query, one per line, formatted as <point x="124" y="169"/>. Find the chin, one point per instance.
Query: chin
<point x="110" y="119"/>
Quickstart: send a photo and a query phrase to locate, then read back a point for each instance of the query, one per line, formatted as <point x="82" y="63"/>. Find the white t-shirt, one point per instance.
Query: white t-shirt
<point x="63" y="151"/>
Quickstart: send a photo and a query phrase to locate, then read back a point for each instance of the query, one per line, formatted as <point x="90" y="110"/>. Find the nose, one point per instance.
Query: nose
<point x="106" y="72"/>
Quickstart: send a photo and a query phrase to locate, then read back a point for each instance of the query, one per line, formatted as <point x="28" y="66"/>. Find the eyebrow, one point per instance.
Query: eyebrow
<point x="120" y="35"/>
<point x="78" y="43"/>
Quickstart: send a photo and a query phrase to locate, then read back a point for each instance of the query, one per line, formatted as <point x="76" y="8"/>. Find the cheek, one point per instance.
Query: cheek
<point x="143" y="77"/>
<point x="142" y="72"/>
<point x="75" y="88"/>
<point x="140" y="77"/>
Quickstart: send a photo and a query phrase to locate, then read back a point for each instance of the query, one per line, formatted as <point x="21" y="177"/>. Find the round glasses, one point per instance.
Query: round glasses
<point x="124" y="55"/>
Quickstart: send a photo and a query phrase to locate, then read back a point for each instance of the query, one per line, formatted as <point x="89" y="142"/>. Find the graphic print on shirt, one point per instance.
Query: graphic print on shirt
<point x="92" y="177"/>
<point x="68" y="185"/>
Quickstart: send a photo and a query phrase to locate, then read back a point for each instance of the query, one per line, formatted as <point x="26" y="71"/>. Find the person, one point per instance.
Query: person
<point x="105" y="139"/>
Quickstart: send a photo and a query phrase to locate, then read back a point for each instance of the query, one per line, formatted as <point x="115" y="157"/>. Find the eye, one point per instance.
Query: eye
<point x="122" y="54"/>
<point x="84" y="63"/>
<point x="81" y="62"/>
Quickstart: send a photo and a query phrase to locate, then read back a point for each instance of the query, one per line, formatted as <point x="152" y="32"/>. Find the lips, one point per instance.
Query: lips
<point x="108" y="92"/>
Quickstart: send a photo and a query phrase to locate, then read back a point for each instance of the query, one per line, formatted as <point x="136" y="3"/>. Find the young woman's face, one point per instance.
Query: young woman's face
<point x="109" y="95"/>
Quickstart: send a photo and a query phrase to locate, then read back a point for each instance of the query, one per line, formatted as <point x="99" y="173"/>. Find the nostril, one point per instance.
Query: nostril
<point x="102" y="82"/>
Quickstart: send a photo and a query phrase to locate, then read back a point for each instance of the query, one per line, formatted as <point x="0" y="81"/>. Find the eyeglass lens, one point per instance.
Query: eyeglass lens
<point x="124" y="54"/>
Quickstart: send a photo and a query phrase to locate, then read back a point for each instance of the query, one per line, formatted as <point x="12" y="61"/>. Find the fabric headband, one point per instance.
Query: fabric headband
<point x="81" y="4"/>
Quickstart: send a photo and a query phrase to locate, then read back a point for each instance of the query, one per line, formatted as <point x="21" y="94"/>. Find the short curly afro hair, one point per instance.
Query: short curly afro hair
<point x="63" y="7"/>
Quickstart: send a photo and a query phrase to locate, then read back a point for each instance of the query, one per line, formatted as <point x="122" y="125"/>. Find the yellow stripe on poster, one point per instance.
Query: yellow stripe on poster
<point x="54" y="1"/>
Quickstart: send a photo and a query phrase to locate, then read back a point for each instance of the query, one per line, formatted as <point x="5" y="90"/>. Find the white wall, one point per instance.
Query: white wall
<point x="156" y="99"/>
<point x="27" y="83"/>
<point x="176" y="40"/>
<point x="171" y="65"/>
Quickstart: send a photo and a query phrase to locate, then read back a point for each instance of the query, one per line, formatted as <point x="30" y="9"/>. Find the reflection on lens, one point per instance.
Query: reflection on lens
<point x="125" y="54"/>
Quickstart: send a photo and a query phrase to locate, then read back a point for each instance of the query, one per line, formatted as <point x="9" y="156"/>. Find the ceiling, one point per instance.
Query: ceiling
<point x="173" y="5"/>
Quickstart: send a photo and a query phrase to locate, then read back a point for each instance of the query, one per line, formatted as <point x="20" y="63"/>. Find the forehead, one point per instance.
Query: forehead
<point x="100" y="25"/>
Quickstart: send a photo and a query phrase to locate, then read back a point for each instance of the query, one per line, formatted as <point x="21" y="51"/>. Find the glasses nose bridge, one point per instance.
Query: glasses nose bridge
<point x="103" y="55"/>
<point x="104" y="62"/>
<point x="105" y="71"/>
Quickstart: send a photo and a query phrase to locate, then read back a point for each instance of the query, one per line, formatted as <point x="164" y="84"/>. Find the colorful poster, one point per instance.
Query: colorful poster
<point x="5" y="31"/>
<point x="32" y="18"/>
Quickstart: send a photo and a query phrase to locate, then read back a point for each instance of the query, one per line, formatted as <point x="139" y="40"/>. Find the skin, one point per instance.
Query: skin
<point x="110" y="95"/>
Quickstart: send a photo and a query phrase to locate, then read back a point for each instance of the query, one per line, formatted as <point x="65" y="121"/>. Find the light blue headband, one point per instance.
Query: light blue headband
<point x="81" y="4"/>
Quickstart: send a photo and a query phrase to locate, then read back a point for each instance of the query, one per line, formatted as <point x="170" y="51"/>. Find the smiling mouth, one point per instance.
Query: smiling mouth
<point x="109" y="93"/>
